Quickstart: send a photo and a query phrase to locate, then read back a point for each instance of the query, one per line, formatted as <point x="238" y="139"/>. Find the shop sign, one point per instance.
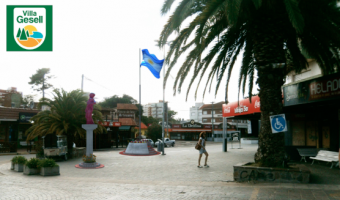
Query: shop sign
<point x="242" y="107"/>
<point x="209" y="126"/>
<point x="112" y="124"/>
<point x="249" y="126"/>
<point x="25" y="117"/>
<point x="123" y="115"/>
<point x="320" y="89"/>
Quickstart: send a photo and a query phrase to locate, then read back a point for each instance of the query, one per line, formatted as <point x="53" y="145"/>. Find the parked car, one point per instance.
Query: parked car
<point x="151" y="142"/>
<point x="167" y="142"/>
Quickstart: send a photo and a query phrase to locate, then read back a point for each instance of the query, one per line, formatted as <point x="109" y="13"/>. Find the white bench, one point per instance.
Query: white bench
<point x="307" y="152"/>
<point x="327" y="156"/>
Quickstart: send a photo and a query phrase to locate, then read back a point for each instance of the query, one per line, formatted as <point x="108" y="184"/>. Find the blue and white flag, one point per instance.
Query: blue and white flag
<point x="152" y="63"/>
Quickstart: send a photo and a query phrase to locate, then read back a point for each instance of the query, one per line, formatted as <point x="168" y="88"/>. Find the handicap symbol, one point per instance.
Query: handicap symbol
<point x="278" y="124"/>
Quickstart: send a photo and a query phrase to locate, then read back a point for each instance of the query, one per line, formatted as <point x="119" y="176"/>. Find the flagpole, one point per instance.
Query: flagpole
<point x="140" y="101"/>
<point x="163" y="103"/>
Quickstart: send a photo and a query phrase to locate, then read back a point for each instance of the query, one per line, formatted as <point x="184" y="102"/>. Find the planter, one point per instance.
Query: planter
<point x="31" y="171"/>
<point x="49" y="171"/>
<point x="246" y="172"/>
<point x="18" y="167"/>
<point x="12" y="166"/>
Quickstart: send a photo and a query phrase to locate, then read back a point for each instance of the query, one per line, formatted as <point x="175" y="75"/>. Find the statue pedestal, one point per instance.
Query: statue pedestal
<point x="89" y="147"/>
<point x="89" y="137"/>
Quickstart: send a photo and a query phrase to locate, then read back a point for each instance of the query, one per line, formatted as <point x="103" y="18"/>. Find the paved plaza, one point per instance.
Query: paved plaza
<point x="172" y="176"/>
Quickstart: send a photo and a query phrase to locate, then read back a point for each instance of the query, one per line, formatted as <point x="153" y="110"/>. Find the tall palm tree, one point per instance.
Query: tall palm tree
<point x="275" y="36"/>
<point x="66" y="116"/>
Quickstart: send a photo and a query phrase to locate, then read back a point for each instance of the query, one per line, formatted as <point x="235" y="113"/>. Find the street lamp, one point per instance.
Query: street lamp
<point x="212" y="120"/>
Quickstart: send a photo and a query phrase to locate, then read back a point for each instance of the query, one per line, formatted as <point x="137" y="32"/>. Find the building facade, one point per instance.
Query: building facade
<point x="10" y="98"/>
<point x="196" y="113"/>
<point x="155" y="110"/>
<point x="13" y="124"/>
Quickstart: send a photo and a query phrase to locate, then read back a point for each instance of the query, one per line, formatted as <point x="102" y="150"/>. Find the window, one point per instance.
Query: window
<point x="193" y="114"/>
<point x="205" y="112"/>
<point x="213" y="120"/>
<point x="205" y="120"/>
<point x="199" y="114"/>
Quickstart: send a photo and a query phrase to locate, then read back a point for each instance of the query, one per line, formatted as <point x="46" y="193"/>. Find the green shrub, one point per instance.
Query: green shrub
<point x="46" y="163"/>
<point x="15" y="159"/>
<point x="19" y="160"/>
<point x="32" y="163"/>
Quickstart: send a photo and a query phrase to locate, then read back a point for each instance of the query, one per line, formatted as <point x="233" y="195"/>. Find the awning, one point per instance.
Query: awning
<point x="243" y="107"/>
<point x="9" y="120"/>
<point x="124" y="128"/>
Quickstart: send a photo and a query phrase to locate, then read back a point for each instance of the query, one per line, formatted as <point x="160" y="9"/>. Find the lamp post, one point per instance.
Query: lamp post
<point x="212" y="120"/>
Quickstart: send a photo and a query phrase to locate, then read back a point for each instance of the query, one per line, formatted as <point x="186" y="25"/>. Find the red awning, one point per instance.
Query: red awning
<point x="243" y="107"/>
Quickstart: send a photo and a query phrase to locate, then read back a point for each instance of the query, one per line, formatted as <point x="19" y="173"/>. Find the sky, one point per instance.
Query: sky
<point x="101" y="40"/>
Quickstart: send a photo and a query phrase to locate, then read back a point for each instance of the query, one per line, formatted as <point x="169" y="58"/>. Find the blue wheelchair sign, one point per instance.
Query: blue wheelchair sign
<point x="278" y="123"/>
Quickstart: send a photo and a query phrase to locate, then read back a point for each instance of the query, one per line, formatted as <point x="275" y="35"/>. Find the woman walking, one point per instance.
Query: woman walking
<point x="201" y="142"/>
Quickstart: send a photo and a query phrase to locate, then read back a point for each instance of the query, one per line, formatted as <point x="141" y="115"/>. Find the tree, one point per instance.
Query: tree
<point x="275" y="37"/>
<point x="66" y="116"/>
<point x="171" y="115"/>
<point x="27" y="100"/>
<point x="149" y="120"/>
<point x="154" y="132"/>
<point x="27" y="33"/>
<point x="18" y="33"/>
<point x="112" y="102"/>
<point x="23" y="35"/>
<point x="39" y="80"/>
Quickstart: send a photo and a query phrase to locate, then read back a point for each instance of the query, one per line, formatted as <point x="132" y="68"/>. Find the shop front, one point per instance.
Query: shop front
<point x="13" y="124"/>
<point x="190" y="131"/>
<point x="108" y="139"/>
<point x="244" y="110"/>
<point x="313" y="112"/>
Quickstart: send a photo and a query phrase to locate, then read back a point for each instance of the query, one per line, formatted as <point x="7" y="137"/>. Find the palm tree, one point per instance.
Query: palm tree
<point x="275" y="36"/>
<point x="66" y="116"/>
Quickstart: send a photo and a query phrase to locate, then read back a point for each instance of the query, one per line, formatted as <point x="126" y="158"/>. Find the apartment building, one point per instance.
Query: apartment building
<point x="196" y="112"/>
<point x="212" y="113"/>
<point x="154" y="110"/>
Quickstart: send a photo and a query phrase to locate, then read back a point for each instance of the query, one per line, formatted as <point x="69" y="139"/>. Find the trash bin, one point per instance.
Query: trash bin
<point x="160" y="146"/>
<point x="225" y="145"/>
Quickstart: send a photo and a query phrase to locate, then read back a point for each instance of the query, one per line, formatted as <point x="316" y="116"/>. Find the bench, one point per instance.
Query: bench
<point x="327" y="156"/>
<point x="310" y="152"/>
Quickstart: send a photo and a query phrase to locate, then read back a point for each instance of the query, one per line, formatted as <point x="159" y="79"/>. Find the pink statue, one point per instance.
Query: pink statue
<point x="89" y="109"/>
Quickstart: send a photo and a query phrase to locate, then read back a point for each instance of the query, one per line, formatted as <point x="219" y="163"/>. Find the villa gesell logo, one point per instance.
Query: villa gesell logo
<point x="29" y="28"/>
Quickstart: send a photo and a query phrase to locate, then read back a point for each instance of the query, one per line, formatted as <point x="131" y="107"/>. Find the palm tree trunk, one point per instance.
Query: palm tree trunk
<point x="70" y="140"/>
<point x="268" y="53"/>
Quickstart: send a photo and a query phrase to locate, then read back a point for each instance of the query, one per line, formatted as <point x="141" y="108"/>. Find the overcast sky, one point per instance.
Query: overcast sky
<point x="101" y="40"/>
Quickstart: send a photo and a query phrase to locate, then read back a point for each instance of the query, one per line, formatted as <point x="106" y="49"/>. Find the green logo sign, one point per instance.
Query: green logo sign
<point x="22" y="117"/>
<point x="29" y="28"/>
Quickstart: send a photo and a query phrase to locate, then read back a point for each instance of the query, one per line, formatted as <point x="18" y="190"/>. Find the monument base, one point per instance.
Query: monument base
<point x="139" y="149"/>
<point x="94" y="165"/>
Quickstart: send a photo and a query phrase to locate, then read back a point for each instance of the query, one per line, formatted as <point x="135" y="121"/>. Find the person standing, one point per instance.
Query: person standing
<point x="201" y="142"/>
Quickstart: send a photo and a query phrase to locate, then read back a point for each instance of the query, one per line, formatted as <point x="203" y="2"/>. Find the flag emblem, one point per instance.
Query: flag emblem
<point x="152" y="63"/>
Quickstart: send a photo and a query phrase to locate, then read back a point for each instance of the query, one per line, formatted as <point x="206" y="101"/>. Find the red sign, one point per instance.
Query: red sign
<point x="209" y="126"/>
<point x="323" y="89"/>
<point x="242" y="107"/>
<point x="111" y="124"/>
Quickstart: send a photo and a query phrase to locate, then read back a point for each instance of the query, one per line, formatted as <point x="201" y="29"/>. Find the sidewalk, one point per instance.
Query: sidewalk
<point x="172" y="176"/>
